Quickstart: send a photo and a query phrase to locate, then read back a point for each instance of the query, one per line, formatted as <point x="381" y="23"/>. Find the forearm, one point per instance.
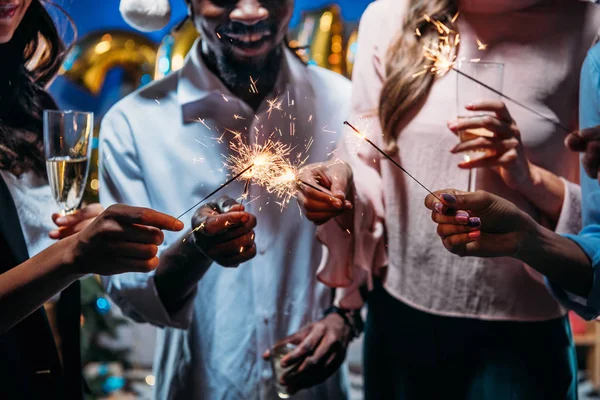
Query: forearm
<point x="546" y="191"/>
<point x="28" y="286"/>
<point x="181" y="267"/>
<point x="561" y="260"/>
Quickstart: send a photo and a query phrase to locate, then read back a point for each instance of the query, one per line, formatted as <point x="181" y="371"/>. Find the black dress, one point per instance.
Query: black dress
<point x="30" y="367"/>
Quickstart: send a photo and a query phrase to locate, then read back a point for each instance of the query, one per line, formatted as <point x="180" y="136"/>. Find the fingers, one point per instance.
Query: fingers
<point x="502" y="159"/>
<point x="236" y="232"/>
<point x="456" y="200"/>
<point x="138" y="251"/>
<point x="452" y="217"/>
<point x="499" y="128"/>
<point x="591" y="159"/>
<point x="222" y="223"/>
<point x="227" y="204"/>
<point x="575" y="142"/>
<point x="236" y="258"/>
<point x="486" y="245"/>
<point x="490" y="146"/>
<point x="446" y="230"/>
<point x="496" y="106"/>
<point x="143" y="216"/>
<point x="120" y="265"/>
<point x="306" y="347"/>
<point x="66" y="231"/>
<point x="133" y="233"/>
<point x="590" y="133"/>
<point x="88" y="212"/>
<point x="230" y="248"/>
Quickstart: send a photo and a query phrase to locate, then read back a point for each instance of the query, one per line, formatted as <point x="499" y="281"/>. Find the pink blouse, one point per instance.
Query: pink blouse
<point x="542" y="49"/>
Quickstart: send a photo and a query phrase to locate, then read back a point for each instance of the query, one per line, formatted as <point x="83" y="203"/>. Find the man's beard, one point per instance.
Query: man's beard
<point x="239" y="75"/>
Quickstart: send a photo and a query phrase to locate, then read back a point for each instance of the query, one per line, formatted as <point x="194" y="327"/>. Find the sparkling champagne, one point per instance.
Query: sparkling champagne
<point x="67" y="177"/>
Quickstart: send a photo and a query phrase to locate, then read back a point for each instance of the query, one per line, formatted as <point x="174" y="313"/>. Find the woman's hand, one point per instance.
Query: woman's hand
<point x="587" y="141"/>
<point x="505" y="152"/>
<point x="121" y="239"/>
<point x="335" y="179"/>
<point x="224" y="232"/>
<point x="478" y="223"/>
<point x="75" y="222"/>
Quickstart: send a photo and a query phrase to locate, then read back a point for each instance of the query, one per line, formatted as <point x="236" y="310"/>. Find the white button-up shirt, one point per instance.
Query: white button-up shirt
<point x="163" y="147"/>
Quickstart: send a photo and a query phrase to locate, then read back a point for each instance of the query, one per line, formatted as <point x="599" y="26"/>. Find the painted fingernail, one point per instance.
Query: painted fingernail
<point x="462" y="217"/>
<point x="439" y="207"/>
<point x="452" y="124"/>
<point x="53" y="233"/>
<point x="337" y="203"/>
<point x="61" y="220"/>
<point x="474" y="222"/>
<point x="449" y="198"/>
<point x="474" y="235"/>
<point x="469" y="106"/>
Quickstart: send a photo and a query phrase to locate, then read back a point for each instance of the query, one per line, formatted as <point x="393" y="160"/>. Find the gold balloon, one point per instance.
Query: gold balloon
<point x="97" y="53"/>
<point x="174" y="48"/>
<point x="322" y="32"/>
<point x="351" y="47"/>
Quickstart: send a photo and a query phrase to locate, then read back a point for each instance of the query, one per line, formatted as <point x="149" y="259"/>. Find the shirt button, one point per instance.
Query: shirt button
<point x="266" y="374"/>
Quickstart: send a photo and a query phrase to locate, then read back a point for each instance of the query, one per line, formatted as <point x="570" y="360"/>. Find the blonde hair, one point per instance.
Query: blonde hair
<point x="403" y="90"/>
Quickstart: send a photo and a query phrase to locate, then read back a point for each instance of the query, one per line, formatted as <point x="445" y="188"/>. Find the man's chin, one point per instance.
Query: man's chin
<point x="252" y="55"/>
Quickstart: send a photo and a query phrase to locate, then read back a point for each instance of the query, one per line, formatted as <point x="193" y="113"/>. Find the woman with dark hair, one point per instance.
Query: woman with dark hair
<point x="483" y="328"/>
<point x="121" y="239"/>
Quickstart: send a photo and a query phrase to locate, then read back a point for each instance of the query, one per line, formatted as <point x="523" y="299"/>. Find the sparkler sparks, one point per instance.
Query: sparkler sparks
<point x="440" y="57"/>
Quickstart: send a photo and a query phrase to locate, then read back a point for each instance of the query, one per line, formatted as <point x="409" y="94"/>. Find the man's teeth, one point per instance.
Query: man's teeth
<point x="249" y="37"/>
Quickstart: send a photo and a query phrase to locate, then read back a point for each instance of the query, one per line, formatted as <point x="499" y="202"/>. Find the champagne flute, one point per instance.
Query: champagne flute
<point x="67" y="148"/>
<point x="469" y="91"/>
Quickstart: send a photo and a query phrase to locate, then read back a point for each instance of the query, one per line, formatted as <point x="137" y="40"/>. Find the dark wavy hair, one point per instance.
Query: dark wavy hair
<point x="31" y="59"/>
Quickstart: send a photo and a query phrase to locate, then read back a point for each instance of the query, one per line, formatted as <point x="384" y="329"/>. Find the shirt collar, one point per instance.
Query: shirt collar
<point x="197" y="82"/>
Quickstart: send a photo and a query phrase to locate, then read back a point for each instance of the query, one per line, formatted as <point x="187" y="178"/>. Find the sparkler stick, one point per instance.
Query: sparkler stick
<point x="499" y="93"/>
<point x="389" y="158"/>
<point x="314" y="187"/>
<point x="216" y="190"/>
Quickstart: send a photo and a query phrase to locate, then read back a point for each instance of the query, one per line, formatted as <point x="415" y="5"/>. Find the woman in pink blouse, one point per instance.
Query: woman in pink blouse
<point x="440" y="325"/>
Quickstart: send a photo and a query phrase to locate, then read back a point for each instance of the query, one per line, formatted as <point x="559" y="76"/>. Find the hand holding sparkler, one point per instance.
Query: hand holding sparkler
<point x="223" y="232"/>
<point x="498" y="136"/>
<point x="324" y="190"/>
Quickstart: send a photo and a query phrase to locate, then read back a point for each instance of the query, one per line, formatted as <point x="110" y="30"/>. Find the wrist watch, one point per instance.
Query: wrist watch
<point x="352" y="319"/>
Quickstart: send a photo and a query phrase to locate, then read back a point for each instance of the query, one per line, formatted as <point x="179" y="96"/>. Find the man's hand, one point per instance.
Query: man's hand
<point x="224" y="232"/>
<point x="335" y="179"/>
<point x="75" y="222"/>
<point x="321" y="349"/>
<point x="587" y="141"/>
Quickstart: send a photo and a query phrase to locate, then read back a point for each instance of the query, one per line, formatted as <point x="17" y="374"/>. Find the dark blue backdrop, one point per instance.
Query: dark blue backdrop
<point x="104" y="14"/>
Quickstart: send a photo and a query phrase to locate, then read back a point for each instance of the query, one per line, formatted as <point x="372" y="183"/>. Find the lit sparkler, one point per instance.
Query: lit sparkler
<point x="441" y="58"/>
<point x="363" y="136"/>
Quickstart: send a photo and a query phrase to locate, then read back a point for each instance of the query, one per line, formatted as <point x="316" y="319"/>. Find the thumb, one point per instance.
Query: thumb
<point x="472" y="201"/>
<point x="339" y="187"/>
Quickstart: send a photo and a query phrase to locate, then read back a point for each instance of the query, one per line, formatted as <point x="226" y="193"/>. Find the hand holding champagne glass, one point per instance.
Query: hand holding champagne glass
<point x="468" y="92"/>
<point x="67" y="147"/>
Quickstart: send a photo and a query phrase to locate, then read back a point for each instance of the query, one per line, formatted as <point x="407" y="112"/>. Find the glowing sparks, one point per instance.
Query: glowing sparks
<point x="224" y="98"/>
<point x="274" y="104"/>
<point x="480" y="45"/>
<point x="203" y="123"/>
<point x="267" y="159"/>
<point x="235" y="116"/>
<point x="253" y="88"/>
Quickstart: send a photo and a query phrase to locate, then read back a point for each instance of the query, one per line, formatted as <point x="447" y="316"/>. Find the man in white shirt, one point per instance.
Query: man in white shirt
<point x="164" y="146"/>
